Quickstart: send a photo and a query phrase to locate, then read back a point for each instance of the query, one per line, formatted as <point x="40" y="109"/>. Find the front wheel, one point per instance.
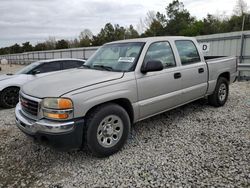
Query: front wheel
<point x="107" y="129"/>
<point x="9" y="97"/>
<point x="220" y="95"/>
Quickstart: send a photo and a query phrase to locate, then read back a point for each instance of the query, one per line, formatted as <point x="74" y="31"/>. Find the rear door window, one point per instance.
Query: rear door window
<point x="187" y="51"/>
<point x="71" y="64"/>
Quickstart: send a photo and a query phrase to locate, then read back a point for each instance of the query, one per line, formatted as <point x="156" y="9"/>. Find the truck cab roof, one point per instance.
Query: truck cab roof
<point x="152" y="39"/>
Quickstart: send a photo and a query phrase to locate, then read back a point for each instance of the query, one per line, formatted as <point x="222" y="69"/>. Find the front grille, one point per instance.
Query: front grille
<point x="29" y="106"/>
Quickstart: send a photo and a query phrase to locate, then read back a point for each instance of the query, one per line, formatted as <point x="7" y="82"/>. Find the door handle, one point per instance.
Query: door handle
<point x="177" y="75"/>
<point x="200" y="70"/>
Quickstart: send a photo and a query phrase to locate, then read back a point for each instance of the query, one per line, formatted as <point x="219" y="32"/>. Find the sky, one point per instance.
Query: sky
<point x="37" y="20"/>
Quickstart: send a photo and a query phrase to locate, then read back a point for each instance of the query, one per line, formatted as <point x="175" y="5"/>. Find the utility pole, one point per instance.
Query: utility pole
<point x="243" y="22"/>
<point x="242" y="40"/>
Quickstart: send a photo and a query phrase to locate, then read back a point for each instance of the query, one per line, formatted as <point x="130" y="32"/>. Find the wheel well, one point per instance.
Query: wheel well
<point x="2" y="102"/>
<point x="10" y="87"/>
<point x="125" y="103"/>
<point x="225" y="75"/>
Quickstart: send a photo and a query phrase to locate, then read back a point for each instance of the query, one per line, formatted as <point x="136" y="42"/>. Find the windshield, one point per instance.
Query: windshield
<point x="28" y="68"/>
<point x="116" y="57"/>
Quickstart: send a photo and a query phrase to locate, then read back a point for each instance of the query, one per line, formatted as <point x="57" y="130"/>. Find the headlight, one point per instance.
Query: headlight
<point x="57" y="103"/>
<point x="57" y="108"/>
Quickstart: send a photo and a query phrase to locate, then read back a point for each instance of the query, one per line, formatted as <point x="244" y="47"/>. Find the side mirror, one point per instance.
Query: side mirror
<point x="152" y="66"/>
<point x="34" y="72"/>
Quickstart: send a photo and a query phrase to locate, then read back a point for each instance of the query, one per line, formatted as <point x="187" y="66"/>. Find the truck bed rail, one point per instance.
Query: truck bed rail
<point x="244" y="67"/>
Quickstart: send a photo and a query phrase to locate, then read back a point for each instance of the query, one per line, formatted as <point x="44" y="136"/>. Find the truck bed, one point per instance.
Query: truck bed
<point x="218" y="65"/>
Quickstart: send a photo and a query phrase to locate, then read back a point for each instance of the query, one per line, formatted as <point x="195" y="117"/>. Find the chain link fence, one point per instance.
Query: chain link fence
<point x="30" y="57"/>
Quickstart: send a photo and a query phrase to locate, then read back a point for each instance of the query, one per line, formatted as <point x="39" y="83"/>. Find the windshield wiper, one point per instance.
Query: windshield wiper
<point x="84" y="66"/>
<point x="104" y="67"/>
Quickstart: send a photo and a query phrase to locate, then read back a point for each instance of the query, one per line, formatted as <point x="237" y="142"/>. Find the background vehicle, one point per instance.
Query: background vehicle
<point x="10" y="83"/>
<point x="122" y="83"/>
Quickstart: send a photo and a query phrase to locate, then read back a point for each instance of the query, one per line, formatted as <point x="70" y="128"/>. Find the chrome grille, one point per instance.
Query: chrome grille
<point x="29" y="106"/>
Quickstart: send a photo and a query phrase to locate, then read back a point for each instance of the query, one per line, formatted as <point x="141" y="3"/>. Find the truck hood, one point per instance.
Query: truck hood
<point x="57" y="84"/>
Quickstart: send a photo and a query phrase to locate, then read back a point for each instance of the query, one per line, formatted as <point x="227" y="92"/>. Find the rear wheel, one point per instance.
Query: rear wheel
<point x="107" y="129"/>
<point x="9" y="97"/>
<point x="220" y="95"/>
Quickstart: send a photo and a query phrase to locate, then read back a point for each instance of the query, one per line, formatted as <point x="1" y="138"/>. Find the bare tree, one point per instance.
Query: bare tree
<point x="145" y="23"/>
<point x="85" y="38"/>
<point x="86" y="34"/>
<point x="140" y="27"/>
<point x="50" y="43"/>
<point x="74" y="43"/>
<point x="150" y="17"/>
<point x="221" y="16"/>
<point x="241" y="8"/>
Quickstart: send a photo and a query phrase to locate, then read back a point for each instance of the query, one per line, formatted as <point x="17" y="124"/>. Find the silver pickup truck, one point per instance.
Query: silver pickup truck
<point x="122" y="83"/>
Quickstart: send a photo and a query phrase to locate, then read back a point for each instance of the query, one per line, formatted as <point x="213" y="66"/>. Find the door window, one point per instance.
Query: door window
<point x="187" y="51"/>
<point x="49" y="67"/>
<point x="72" y="64"/>
<point x="161" y="51"/>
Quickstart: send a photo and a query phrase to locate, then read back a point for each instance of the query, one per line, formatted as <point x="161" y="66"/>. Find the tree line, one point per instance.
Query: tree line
<point x="175" y="21"/>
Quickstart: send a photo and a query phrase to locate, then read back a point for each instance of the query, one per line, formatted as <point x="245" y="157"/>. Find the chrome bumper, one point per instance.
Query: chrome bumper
<point x="31" y="126"/>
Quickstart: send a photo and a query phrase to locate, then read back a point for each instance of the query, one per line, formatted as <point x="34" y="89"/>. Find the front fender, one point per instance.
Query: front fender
<point x="2" y="87"/>
<point x="13" y="82"/>
<point x="84" y="101"/>
<point x="100" y="99"/>
<point x="80" y="109"/>
<point x="86" y="98"/>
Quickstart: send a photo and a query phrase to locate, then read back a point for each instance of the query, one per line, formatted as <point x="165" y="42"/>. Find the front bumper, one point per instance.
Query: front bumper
<point x="61" y="135"/>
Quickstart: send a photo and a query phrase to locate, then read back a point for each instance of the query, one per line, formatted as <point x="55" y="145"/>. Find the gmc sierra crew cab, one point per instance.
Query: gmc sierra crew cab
<point x="122" y="83"/>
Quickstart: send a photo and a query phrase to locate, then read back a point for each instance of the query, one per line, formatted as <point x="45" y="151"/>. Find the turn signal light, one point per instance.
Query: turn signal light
<point x="64" y="104"/>
<point x="56" y="116"/>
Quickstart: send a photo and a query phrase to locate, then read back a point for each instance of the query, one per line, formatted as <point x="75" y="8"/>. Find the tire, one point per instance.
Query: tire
<point x="107" y="129"/>
<point x="9" y="97"/>
<point x="221" y="92"/>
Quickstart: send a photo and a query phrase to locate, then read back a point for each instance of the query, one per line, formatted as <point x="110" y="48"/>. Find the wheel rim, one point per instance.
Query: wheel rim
<point x="222" y="92"/>
<point x="10" y="97"/>
<point x="110" y="131"/>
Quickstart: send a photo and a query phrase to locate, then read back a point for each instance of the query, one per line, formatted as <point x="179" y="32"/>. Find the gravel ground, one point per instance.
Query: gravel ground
<point x="10" y="68"/>
<point x="195" y="145"/>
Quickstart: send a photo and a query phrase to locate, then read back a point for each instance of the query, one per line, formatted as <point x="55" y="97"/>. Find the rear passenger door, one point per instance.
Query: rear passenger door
<point x="161" y="90"/>
<point x="193" y="71"/>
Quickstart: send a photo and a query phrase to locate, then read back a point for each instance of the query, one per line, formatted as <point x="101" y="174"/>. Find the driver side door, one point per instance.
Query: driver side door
<point x="161" y="90"/>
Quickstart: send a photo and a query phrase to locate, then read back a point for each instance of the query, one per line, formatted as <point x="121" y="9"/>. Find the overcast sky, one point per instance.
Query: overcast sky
<point x="36" y="20"/>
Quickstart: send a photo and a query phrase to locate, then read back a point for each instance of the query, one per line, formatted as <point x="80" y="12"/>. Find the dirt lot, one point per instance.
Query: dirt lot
<point x="195" y="145"/>
<point x="10" y="68"/>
